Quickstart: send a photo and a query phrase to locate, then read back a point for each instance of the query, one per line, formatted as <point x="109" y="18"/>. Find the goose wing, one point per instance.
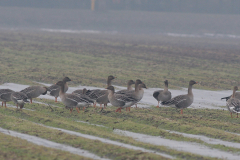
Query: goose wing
<point x="175" y="101"/>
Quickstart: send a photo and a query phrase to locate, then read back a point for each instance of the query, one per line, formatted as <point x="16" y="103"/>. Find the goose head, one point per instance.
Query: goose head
<point x="111" y="77"/>
<point x="192" y="82"/>
<point x="166" y="82"/>
<point x="131" y="82"/>
<point x="66" y="79"/>
<point x="110" y="89"/>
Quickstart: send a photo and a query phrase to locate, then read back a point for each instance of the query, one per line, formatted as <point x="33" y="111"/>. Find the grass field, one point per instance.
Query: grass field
<point x="30" y="56"/>
<point x="89" y="58"/>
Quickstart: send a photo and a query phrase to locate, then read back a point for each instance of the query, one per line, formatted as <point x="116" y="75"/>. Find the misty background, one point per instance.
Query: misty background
<point x="209" y="18"/>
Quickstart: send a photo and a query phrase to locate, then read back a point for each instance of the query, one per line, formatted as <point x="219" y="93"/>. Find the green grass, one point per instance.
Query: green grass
<point x="89" y="59"/>
<point x="16" y="148"/>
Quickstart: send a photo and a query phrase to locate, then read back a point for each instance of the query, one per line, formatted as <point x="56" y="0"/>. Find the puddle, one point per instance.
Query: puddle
<point x="208" y="140"/>
<point x="110" y="141"/>
<point x="180" y="145"/>
<point x="202" y="98"/>
<point x="46" y="143"/>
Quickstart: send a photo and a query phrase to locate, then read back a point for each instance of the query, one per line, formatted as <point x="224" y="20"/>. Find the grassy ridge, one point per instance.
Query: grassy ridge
<point x="89" y="59"/>
<point x="16" y="148"/>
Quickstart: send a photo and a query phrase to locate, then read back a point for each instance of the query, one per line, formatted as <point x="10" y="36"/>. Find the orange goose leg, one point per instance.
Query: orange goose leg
<point x="158" y="105"/>
<point x="136" y="105"/>
<point x="83" y="108"/>
<point x="71" y="110"/>
<point x="31" y="100"/>
<point x="95" y="105"/>
<point x="237" y="115"/>
<point x="118" y="110"/>
<point x="17" y="106"/>
<point x="2" y="104"/>
<point x="77" y="109"/>
<point x="181" y="111"/>
<point x="101" y="106"/>
<point x="55" y="99"/>
<point x="129" y="108"/>
<point x="5" y="105"/>
<point x="231" y="114"/>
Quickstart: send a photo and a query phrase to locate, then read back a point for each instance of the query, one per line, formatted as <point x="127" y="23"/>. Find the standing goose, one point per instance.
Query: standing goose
<point x="182" y="101"/>
<point x="5" y="95"/>
<point x="119" y="100"/>
<point x="233" y="104"/>
<point x="83" y="95"/>
<point x="162" y="95"/>
<point x="129" y="87"/>
<point x="70" y="100"/>
<point x="19" y="99"/>
<point x="34" y="91"/>
<point x="101" y="96"/>
<point x="54" y="89"/>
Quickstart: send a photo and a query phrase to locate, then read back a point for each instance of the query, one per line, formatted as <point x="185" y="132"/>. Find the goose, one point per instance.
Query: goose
<point x="233" y="104"/>
<point x="182" y="101"/>
<point x="19" y="99"/>
<point x="137" y="93"/>
<point x="129" y="87"/>
<point x="54" y="89"/>
<point x="119" y="100"/>
<point x="237" y="95"/>
<point x="71" y="100"/>
<point x="82" y="94"/>
<point x="101" y="96"/>
<point x="5" y="96"/>
<point x="34" y="91"/>
<point x="162" y="95"/>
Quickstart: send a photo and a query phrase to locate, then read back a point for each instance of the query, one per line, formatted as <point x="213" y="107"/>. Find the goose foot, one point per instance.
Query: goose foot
<point x="118" y="110"/>
<point x="77" y="109"/>
<point x="158" y="105"/>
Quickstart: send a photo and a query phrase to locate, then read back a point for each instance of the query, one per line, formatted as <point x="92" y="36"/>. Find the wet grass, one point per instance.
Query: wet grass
<point x="61" y="118"/>
<point x="95" y="146"/>
<point x="89" y="59"/>
<point x="16" y="148"/>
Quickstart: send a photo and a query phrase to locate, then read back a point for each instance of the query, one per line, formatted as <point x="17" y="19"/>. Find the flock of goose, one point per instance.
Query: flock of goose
<point x="122" y="99"/>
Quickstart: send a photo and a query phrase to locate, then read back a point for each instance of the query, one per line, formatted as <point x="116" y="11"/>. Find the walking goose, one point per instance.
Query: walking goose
<point x="129" y="87"/>
<point x="162" y="95"/>
<point x="34" y="91"/>
<point x="119" y="100"/>
<point x="182" y="101"/>
<point x="54" y="89"/>
<point x="5" y="95"/>
<point x="71" y="100"/>
<point x="233" y="104"/>
<point x="19" y="99"/>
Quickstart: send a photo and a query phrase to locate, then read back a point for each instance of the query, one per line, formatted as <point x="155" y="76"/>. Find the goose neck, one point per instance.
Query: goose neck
<point x="190" y="90"/>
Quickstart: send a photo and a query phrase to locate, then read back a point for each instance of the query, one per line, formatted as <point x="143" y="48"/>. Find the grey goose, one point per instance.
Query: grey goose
<point x="162" y="95"/>
<point x="120" y="100"/>
<point x="34" y="91"/>
<point x="233" y="104"/>
<point x="54" y="89"/>
<point x="129" y="87"/>
<point x="5" y="95"/>
<point x="182" y="101"/>
<point x="70" y="100"/>
<point x="19" y="99"/>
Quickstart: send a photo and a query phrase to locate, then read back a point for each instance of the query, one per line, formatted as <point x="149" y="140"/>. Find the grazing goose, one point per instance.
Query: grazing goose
<point x="129" y="87"/>
<point x="119" y="100"/>
<point x="34" y="91"/>
<point x="71" y="100"/>
<point x="101" y="96"/>
<point x="237" y="95"/>
<point x="233" y="104"/>
<point x="162" y="95"/>
<point x="19" y="98"/>
<point x="182" y="101"/>
<point x="54" y="89"/>
<point x="5" y="95"/>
